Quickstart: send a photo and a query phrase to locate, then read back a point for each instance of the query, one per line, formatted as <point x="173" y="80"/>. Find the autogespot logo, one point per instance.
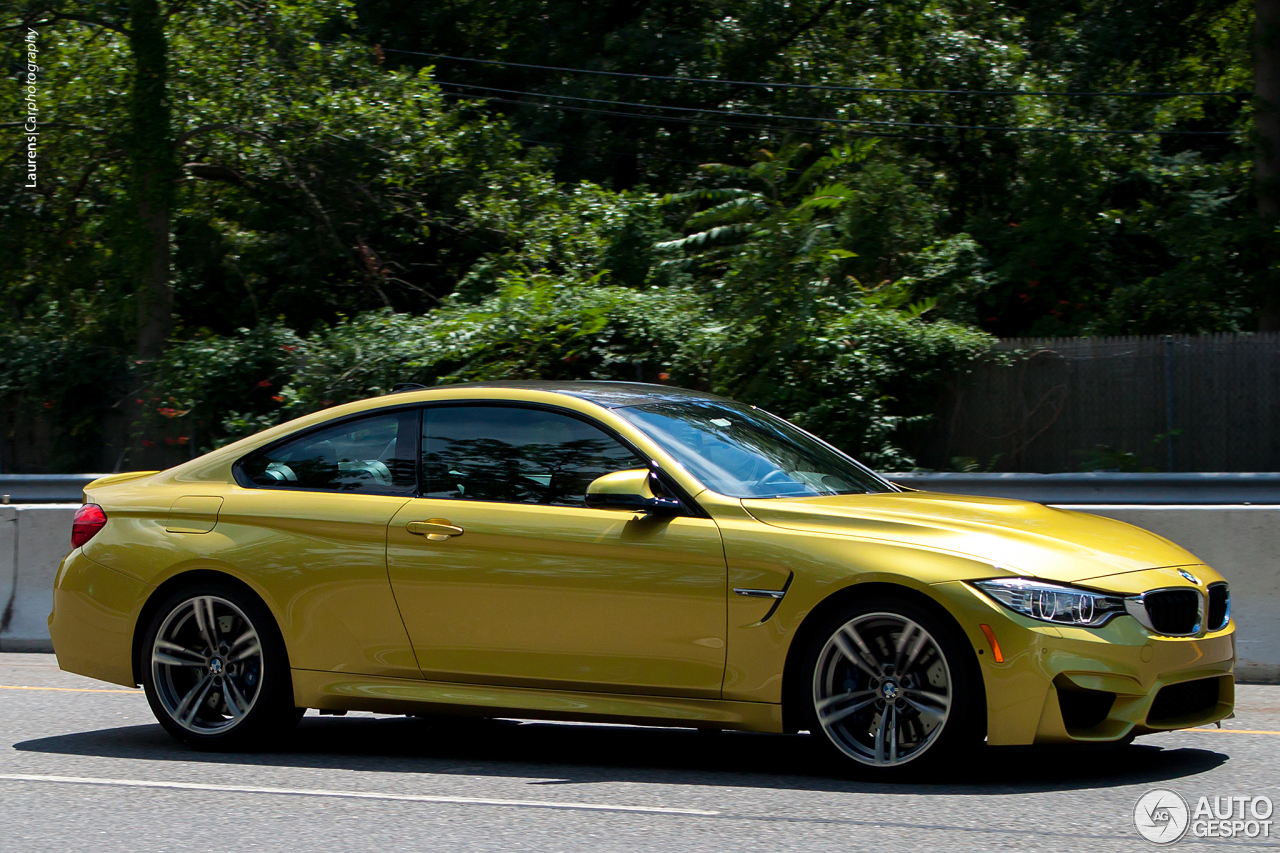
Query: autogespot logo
<point x="1161" y="816"/>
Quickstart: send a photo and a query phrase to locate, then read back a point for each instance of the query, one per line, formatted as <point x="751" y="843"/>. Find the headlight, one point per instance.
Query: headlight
<point x="1049" y="602"/>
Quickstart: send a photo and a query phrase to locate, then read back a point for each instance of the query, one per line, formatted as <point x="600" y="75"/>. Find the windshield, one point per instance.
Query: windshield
<point x="742" y="452"/>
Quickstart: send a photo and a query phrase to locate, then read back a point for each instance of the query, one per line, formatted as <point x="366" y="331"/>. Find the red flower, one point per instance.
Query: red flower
<point x="663" y="377"/>
<point x="289" y="347"/>
<point x="278" y="398"/>
<point x="147" y="443"/>
<point x="264" y="384"/>
<point x="169" y="441"/>
<point x="183" y="439"/>
<point x="48" y="404"/>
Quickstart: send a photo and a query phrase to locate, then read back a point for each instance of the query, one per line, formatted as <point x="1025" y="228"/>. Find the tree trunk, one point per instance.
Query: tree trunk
<point x="1266" y="89"/>
<point x="154" y="171"/>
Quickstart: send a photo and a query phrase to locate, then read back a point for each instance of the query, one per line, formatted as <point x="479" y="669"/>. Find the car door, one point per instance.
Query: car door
<point x="309" y="524"/>
<point x="504" y="576"/>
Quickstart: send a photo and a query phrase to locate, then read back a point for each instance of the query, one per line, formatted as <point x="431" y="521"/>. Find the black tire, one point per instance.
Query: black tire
<point x="938" y="703"/>
<point x="215" y="669"/>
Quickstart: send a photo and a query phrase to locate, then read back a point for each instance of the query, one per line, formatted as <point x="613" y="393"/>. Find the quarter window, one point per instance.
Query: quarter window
<point x="515" y="455"/>
<point x="373" y="455"/>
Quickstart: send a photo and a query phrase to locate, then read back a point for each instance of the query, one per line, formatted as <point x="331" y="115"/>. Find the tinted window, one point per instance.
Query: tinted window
<point x="742" y="452"/>
<point x="373" y="454"/>
<point x="498" y="453"/>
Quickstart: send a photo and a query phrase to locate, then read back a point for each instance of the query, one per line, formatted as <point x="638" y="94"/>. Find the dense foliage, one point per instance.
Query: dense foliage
<point x="248" y="210"/>
<point x="1076" y="233"/>
<point x="851" y="376"/>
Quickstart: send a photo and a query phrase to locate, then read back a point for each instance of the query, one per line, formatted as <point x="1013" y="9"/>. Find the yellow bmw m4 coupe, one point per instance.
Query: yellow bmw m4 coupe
<point x="625" y="552"/>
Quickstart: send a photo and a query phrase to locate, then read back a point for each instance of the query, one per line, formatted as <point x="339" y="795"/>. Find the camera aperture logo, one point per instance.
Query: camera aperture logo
<point x="1162" y="817"/>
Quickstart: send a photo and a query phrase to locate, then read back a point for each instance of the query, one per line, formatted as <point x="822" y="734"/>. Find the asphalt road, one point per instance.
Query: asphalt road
<point x="83" y="766"/>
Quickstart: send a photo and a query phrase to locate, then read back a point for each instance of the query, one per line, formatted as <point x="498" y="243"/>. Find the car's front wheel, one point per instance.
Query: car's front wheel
<point x="215" y="670"/>
<point x="891" y="684"/>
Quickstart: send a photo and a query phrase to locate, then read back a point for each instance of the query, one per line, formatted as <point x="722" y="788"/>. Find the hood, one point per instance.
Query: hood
<point x="1024" y="537"/>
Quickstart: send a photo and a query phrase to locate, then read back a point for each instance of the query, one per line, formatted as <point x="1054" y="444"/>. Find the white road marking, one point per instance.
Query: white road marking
<point x="354" y="795"/>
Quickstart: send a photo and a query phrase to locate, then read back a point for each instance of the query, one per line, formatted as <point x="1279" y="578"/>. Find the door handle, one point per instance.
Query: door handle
<point x="435" y="529"/>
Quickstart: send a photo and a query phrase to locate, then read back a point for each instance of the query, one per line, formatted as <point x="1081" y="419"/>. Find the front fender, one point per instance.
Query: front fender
<point x="813" y="566"/>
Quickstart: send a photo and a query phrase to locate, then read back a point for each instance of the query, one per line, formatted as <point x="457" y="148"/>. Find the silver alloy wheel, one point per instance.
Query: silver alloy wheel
<point x="882" y="689"/>
<point x="206" y="664"/>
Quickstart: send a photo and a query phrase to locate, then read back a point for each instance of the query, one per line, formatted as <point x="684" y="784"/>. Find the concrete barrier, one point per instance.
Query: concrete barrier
<point x="8" y="567"/>
<point x="1242" y="542"/>
<point x="33" y="541"/>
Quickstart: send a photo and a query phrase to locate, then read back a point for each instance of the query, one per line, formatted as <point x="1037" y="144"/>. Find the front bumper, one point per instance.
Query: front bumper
<point x="1061" y="684"/>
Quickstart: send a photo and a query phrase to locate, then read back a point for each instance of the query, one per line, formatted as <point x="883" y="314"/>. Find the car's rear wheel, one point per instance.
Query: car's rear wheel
<point x="215" y="670"/>
<point x="892" y="685"/>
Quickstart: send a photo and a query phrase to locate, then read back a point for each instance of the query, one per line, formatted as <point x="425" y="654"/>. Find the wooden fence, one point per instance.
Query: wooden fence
<point x="1176" y="403"/>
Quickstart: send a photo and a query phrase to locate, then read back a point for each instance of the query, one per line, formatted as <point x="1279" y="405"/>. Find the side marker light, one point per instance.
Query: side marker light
<point x="991" y="640"/>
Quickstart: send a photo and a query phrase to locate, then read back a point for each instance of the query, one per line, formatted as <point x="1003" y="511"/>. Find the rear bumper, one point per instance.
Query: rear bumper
<point x="1059" y="684"/>
<point x="94" y="613"/>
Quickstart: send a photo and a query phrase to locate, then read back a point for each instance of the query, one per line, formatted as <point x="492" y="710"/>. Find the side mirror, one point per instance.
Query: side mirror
<point x="630" y="490"/>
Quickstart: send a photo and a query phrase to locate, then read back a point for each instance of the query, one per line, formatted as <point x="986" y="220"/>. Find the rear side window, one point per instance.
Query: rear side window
<point x="373" y="455"/>
<point x="515" y="455"/>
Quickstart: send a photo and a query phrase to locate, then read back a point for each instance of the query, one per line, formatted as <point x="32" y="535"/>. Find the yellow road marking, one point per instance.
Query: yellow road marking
<point x="1233" y="731"/>
<point x="68" y="689"/>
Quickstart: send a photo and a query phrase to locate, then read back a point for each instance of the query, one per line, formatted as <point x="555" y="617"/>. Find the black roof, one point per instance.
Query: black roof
<point x="611" y="395"/>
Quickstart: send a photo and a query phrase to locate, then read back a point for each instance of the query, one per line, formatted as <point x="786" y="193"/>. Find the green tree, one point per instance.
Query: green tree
<point x="1266" y="88"/>
<point x="298" y="170"/>
<point x="1040" y="205"/>
<point x="296" y="181"/>
<point x="147" y="142"/>
<point x="800" y="333"/>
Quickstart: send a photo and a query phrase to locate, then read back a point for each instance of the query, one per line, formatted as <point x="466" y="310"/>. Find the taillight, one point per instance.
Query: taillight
<point x="88" y="521"/>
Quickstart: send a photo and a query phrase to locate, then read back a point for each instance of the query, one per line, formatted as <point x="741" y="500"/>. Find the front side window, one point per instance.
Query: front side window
<point x="742" y="452"/>
<point x="373" y="454"/>
<point x="515" y="455"/>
